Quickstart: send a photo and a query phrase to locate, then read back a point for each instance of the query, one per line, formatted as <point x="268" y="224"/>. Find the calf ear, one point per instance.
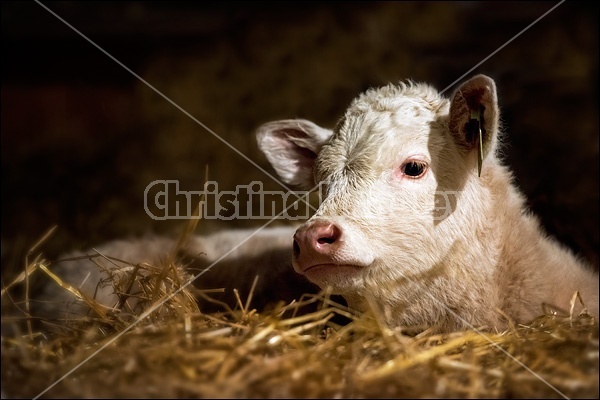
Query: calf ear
<point x="291" y="146"/>
<point x="475" y="97"/>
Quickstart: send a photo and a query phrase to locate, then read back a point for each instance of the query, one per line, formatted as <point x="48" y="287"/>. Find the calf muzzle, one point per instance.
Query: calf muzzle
<point x="316" y="243"/>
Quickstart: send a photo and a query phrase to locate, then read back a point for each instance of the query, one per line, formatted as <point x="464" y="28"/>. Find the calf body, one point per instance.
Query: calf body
<point x="226" y="260"/>
<point x="408" y="227"/>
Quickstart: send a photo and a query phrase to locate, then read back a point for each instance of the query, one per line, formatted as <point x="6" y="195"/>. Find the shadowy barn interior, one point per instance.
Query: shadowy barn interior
<point x="84" y="133"/>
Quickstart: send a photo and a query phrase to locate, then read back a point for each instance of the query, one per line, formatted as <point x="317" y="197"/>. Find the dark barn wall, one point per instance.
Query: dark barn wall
<point x="82" y="137"/>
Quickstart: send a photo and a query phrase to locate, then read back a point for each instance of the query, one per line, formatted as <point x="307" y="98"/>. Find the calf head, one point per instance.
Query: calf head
<point x="400" y="181"/>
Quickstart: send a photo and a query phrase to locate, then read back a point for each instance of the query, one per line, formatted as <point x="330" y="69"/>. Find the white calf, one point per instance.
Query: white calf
<point x="407" y="224"/>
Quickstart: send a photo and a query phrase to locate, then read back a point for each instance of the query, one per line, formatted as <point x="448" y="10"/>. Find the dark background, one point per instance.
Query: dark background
<point x="82" y="137"/>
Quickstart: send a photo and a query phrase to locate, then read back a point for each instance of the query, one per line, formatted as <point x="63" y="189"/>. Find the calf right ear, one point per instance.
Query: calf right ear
<point x="477" y="96"/>
<point x="291" y="146"/>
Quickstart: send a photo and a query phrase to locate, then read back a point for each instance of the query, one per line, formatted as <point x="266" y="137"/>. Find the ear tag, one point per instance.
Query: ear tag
<point x="476" y="122"/>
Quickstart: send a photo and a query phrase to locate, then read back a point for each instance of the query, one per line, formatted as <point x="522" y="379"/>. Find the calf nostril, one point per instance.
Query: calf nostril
<point x="330" y="235"/>
<point x="326" y="240"/>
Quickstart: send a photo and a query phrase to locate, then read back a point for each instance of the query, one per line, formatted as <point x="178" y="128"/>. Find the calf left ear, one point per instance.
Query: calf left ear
<point x="475" y="100"/>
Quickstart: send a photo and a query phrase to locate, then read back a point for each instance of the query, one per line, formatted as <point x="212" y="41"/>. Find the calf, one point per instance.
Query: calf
<point x="408" y="227"/>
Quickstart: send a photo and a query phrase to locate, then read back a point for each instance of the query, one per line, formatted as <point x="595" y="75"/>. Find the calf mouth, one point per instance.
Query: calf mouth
<point x="341" y="278"/>
<point x="328" y="269"/>
<point x="332" y="265"/>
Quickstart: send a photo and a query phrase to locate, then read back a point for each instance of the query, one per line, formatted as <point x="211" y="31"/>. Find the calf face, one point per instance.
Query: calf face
<point x="394" y="171"/>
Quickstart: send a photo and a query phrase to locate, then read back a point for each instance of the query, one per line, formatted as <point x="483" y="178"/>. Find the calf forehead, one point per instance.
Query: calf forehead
<point x="378" y="127"/>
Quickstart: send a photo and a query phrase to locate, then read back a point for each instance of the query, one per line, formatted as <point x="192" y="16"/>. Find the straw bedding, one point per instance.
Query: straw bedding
<point x="170" y="348"/>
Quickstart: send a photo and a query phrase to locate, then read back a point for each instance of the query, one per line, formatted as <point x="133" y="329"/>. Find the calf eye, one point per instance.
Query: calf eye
<point x="413" y="169"/>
